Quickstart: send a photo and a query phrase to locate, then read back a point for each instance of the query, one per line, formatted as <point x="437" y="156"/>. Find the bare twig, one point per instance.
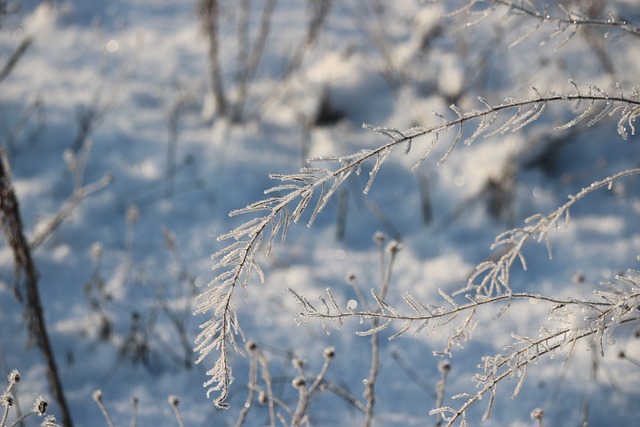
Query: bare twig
<point x="77" y="165"/>
<point x="15" y="57"/>
<point x="11" y="224"/>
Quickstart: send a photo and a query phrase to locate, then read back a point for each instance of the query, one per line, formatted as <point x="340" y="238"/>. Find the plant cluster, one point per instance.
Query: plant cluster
<point x="592" y="320"/>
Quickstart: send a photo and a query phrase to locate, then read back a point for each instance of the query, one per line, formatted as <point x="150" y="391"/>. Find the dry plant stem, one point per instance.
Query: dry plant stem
<point x="20" y="421"/>
<point x="385" y="279"/>
<point x="12" y="229"/>
<point x="134" y="412"/>
<point x="311" y="312"/>
<point x="180" y="327"/>
<point x="172" y="149"/>
<point x="253" y="378"/>
<point x="369" y="392"/>
<point x="15" y="57"/>
<point x="105" y="413"/>
<point x="413" y="375"/>
<point x="300" y="413"/>
<point x="248" y="61"/>
<point x="80" y="192"/>
<point x="92" y="116"/>
<point x="440" y="390"/>
<point x="320" y="11"/>
<point x="209" y="11"/>
<point x="34" y="108"/>
<point x="339" y="391"/>
<point x="67" y="210"/>
<point x="177" y="414"/>
<point x="305" y="393"/>
<point x="242" y="54"/>
<point x="16" y="401"/>
<point x="584" y="421"/>
<point x="5" y="414"/>
<point x="375" y="32"/>
<point x="266" y="377"/>
<point x="425" y="198"/>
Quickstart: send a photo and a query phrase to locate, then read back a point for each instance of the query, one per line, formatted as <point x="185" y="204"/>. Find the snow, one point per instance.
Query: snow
<point x="119" y="277"/>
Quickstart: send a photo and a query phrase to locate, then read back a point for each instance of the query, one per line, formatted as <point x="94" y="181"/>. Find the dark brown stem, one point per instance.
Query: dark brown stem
<point x="15" y="57"/>
<point x="11" y="225"/>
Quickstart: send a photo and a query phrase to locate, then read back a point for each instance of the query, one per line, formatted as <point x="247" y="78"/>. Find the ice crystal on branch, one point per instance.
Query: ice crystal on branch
<point x="313" y="187"/>
<point x="563" y="25"/>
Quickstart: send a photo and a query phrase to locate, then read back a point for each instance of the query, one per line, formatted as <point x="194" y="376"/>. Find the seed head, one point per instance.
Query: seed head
<point x="251" y="346"/>
<point x="299" y="382"/>
<point x="444" y="366"/>
<point x="297" y="363"/>
<point x="173" y="400"/>
<point x="537" y="414"/>
<point x="329" y="353"/>
<point x="40" y="406"/>
<point x="6" y="399"/>
<point x="14" y="377"/>
<point x="394" y="247"/>
<point x="49" y="421"/>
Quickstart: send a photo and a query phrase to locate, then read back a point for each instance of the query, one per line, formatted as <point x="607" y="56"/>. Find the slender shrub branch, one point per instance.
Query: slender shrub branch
<point x="286" y="203"/>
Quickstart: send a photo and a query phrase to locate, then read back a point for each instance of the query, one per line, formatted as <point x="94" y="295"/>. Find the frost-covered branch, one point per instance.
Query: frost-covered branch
<point x="571" y="321"/>
<point x="567" y="23"/>
<point x="591" y="322"/>
<point x="494" y="274"/>
<point x="420" y="315"/>
<point x="312" y="188"/>
<point x="579" y="319"/>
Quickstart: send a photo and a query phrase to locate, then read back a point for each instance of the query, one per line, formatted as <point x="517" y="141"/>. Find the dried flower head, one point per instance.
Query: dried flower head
<point x="6" y="399"/>
<point x="173" y="400"/>
<point x="299" y="382"/>
<point x="97" y="395"/>
<point x="537" y="414"/>
<point x="49" y="421"/>
<point x="394" y="247"/>
<point x="251" y="346"/>
<point x="40" y="406"/>
<point x="329" y="353"/>
<point x="14" y="377"/>
<point x="297" y="363"/>
<point x="379" y="237"/>
<point x="444" y="366"/>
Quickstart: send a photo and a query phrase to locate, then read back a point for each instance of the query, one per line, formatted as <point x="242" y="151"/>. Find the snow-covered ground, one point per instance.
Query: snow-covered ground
<point x="119" y="277"/>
